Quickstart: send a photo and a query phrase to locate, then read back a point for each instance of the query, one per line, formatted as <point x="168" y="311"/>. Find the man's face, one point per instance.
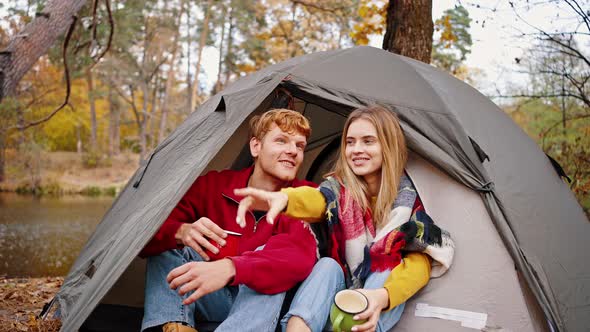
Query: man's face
<point x="279" y="154"/>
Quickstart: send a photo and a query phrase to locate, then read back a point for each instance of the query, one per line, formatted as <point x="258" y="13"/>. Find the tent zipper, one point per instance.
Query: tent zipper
<point x="158" y="148"/>
<point x="256" y="221"/>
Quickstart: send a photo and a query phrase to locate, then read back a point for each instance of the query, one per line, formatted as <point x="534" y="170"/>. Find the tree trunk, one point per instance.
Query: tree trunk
<point x="409" y="29"/>
<point x="92" y="103"/>
<point x="20" y="120"/>
<point x="142" y="122"/>
<point x="2" y="156"/>
<point x="202" y="42"/>
<point x="114" y="120"/>
<point x="189" y="90"/>
<point x="79" y="138"/>
<point x="33" y="41"/>
<point x="152" y="123"/>
<point x="162" y="131"/>
<point x="170" y="79"/>
<point x="217" y="87"/>
<point x="230" y="45"/>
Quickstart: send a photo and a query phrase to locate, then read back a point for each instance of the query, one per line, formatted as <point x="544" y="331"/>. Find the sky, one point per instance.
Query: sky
<point x="496" y="32"/>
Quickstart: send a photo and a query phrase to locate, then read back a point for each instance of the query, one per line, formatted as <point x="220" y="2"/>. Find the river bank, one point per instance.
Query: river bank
<point x="21" y="301"/>
<point x="67" y="173"/>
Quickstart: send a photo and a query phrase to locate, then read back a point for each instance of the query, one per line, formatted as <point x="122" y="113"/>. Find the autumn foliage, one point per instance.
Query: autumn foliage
<point x="21" y="302"/>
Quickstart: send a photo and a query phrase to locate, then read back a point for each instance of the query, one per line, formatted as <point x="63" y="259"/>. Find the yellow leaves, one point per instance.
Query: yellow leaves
<point x="373" y="15"/>
<point x="246" y="68"/>
<point x="447" y="36"/>
<point x="265" y="35"/>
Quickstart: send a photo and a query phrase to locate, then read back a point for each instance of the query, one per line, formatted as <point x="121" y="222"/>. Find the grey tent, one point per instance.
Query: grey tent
<point x="521" y="237"/>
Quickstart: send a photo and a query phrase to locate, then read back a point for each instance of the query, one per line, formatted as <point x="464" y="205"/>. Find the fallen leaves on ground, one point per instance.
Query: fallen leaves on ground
<point x="21" y="301"/>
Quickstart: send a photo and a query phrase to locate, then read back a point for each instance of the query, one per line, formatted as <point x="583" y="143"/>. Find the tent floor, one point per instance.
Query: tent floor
<point x="119" y="318"/>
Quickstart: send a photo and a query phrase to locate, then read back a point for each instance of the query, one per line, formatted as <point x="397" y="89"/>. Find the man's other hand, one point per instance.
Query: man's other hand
<point x="196" y="236"/>
<point x="201" y="277"/>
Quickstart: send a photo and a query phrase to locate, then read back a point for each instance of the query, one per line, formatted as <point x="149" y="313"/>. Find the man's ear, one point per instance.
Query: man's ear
<point x="255" y="146"/>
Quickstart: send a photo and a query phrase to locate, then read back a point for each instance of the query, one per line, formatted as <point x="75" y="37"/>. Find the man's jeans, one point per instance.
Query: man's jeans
<point x="239" y="308"/>
<point x="313" y="299"/>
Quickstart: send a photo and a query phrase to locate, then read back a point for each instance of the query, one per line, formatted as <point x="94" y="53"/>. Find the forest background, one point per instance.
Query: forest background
<point x="136" y="71"/>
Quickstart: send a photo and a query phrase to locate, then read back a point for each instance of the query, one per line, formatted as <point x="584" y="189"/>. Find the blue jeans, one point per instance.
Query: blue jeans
<point x="234" y="306"/>
<point x="313" y="299"/>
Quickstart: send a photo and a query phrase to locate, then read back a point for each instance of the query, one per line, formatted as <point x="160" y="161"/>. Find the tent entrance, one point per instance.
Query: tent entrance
<point x="488" y="270"/>
<point x="121" y="308"/>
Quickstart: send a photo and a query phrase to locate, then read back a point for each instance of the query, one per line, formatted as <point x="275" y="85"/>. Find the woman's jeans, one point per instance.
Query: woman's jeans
<point x="313" y="299"/>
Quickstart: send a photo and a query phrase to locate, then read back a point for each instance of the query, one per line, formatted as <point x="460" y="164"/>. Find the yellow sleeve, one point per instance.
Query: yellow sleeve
<point x="305" y="203"/>
<point x="407" y="278"/>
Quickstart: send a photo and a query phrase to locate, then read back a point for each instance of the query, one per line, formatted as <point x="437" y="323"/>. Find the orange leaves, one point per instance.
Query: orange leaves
<point x="21" y="300"/>
<point x="246" y="68"/>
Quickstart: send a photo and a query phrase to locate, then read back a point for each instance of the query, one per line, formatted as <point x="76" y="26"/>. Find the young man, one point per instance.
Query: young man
<point x="244" y="292"/>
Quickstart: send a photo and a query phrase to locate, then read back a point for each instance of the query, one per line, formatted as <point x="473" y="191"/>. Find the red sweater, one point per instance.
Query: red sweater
<point x="289" y="245"/>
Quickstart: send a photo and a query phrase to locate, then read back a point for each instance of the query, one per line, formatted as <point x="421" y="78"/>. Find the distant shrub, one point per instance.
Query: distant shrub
<point x="90" y="159"/>
<point x="106" y="162"/>
<point x="24" y="189"/>
<point x="91" y="191"/>
<point x="111" y="191"/>
<point x="52" y="188"/>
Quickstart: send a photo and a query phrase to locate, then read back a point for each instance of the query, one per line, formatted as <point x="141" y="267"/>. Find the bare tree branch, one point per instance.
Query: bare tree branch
<point x="94" y="19"/>
<point x="567" y="46"/>
<point x="123" y="95"/>
<point x="33" y="41"/>
<point x="576" y="7"/>
<point x="538" y="96"/>
<point x="111" y="33"/>
<point x="68" y="83"/>
<point x="551" y="37"/>
<point x="156" y="69"/>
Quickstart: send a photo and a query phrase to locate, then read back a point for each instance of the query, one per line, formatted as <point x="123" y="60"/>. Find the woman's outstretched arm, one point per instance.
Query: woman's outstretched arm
<point x="304" y="203"/>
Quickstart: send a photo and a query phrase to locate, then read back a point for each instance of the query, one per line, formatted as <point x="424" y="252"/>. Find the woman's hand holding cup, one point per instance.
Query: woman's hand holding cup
<point x="347" y="306"/>
<point x="358" y="309"/>
<point x="378" y="300"/>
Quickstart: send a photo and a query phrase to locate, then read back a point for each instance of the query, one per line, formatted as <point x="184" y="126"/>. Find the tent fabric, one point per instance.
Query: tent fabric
<point x="541" y="226"/>
<point x="483" y="280"/>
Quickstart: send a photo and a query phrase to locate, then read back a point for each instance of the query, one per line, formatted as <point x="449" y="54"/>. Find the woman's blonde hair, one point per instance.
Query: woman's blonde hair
<point x="395" y="156"/>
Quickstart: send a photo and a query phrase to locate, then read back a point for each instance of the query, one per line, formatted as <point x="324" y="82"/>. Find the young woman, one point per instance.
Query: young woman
<point x="373" y="213"/>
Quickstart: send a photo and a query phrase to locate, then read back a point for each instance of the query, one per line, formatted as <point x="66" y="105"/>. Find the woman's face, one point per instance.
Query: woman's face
<point x="363" y="150"/>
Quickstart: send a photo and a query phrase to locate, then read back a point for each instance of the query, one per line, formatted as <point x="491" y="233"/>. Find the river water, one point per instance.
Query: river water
<point x="43" y="236"/>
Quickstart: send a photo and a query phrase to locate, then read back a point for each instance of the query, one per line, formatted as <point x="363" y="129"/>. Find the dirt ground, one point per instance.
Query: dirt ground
<point x="21" y="301"/>
<point x="67" y="171"/>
